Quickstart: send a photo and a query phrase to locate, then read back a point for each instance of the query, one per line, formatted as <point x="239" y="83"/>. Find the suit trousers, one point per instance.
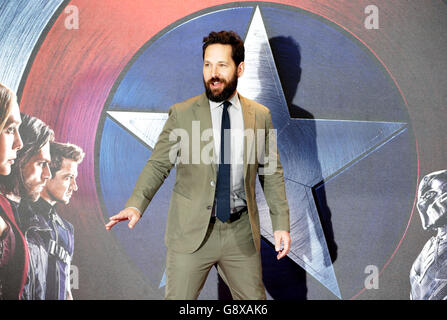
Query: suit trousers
<point x="229" y="245"/>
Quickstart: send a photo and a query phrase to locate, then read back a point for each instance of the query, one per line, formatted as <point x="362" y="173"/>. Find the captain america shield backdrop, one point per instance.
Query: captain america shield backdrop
<point x="341" y="118"/>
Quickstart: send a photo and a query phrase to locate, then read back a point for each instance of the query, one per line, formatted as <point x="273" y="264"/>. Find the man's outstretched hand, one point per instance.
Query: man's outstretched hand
<point x="131" y="214"/>
<point x="282" y="243"/>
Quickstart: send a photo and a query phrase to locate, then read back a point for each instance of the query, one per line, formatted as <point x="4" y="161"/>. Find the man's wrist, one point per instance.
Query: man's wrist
<point x="138" y="210"/>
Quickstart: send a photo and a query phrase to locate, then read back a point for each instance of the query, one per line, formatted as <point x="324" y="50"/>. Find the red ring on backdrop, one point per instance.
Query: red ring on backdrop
<point x="60" y="76"/>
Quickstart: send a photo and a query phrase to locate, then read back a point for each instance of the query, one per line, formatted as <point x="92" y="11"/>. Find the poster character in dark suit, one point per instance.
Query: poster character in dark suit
<point x="57" y="234"/>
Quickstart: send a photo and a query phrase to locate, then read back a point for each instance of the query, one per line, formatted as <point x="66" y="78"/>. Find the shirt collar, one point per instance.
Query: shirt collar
<point x="43" y="207"/>
<point x="234" y="102"/>
<point x="48" y="211"/>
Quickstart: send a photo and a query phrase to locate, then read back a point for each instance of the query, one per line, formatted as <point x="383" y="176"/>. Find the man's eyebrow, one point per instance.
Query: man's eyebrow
<point x="43" y="159"/>
<point x="220" y="61"/>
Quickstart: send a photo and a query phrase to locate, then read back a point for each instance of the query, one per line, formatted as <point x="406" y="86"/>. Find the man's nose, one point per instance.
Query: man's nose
<point x="215" y="72"/>
<point x="74" y="185"/>
<point x="46" y="173"/>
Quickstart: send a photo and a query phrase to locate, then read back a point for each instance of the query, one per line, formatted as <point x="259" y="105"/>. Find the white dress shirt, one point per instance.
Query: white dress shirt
<point x="237" y="190"/>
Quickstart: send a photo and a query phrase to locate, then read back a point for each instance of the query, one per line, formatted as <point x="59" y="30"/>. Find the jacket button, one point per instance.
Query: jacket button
<point x="209" y="207"/>
<point x="212" y="183"/>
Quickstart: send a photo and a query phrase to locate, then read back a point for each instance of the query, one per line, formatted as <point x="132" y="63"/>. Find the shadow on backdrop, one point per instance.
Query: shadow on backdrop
<point x="285" y="279"/>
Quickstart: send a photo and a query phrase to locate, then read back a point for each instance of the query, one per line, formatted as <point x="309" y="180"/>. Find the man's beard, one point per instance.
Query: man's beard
<point x="228" y="90"/>
<point x="31" y="195"/>
<point x="29" y="191"/>
<point x="52" y="197"/>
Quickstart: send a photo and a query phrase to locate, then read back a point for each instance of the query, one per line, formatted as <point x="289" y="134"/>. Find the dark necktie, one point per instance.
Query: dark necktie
<point x="223" y="177"/>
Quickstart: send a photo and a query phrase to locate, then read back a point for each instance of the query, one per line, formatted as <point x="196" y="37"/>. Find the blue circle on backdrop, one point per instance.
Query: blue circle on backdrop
<point x="325" y="74"/>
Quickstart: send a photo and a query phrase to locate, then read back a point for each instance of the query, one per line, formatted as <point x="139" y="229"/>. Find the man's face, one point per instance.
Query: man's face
<point x="10" y="141"/>
<point x="61" y="186"/>
<point x="220" y="74"/>
<point x="36" y="172"/>
<point x="432" y="202"/>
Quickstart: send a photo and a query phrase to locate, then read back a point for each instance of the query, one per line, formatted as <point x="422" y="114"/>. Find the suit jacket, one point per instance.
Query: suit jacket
<point x="194" y="190"/>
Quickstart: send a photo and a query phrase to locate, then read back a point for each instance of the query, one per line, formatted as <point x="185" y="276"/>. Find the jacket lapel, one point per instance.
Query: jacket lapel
<point x="249" y="127"/>
<point x="202" y="113"/>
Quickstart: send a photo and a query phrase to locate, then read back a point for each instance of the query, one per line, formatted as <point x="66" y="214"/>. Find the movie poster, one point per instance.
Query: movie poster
<point x="356" y="92"/>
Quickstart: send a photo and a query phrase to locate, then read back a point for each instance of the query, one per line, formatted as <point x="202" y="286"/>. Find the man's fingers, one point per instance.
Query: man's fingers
<point x="120" y="216"/>
<point x="278" y="235"/>
<point x="133" y="221"/>
<point x="278" y="245"/>
<point x="111" y="223"/>
<point x="282" y="237"/>
<point x="277" y="241"/>
<point x="282" y="253"/>
<point x="286" y="243"/>
<point x="126" y="214"/>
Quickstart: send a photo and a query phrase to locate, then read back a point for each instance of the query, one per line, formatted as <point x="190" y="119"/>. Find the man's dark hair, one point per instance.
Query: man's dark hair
<point x="226" y="37"/>
<point x="60" y="151"/>
<point x="35" y="135"/>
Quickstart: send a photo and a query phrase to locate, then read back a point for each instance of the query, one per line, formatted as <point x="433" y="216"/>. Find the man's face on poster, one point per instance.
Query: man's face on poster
<point x="36" y="172"/>
<point x="61" y="186"/>
<point x="220" y="73"/>
<point x="432" y="201"/>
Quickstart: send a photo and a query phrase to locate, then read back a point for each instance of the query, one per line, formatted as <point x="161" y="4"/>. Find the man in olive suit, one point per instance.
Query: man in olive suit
<point x="213" y="216"/>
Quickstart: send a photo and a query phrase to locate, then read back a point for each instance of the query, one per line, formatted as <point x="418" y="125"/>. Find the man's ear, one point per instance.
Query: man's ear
<point x="240" y="69"/>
